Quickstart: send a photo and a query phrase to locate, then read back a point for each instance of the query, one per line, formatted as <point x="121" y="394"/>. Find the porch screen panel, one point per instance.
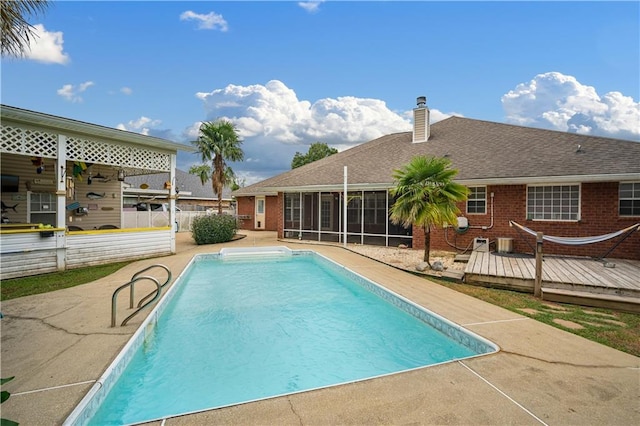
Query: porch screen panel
<point x="292" y="210"/>
<point x="397" y="229"/>
<point x="310" y="211"/>
<point x="375" y="212"/>
<point x="354" y="212"/>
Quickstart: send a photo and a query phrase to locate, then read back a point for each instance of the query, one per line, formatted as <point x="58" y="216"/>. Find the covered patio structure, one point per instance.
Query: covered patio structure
<point x="62" y="186"/>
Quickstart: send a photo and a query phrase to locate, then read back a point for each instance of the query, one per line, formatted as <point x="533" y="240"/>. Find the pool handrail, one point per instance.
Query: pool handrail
<point x="144" y="302"/>
<point x="167" y="281"/>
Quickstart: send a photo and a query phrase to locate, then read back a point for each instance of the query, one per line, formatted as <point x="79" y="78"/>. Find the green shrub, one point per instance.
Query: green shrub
<point x="211" y="229"/>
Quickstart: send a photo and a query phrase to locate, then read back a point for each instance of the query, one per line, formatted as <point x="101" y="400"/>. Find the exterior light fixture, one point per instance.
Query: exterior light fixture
<point x="121" y="175"/>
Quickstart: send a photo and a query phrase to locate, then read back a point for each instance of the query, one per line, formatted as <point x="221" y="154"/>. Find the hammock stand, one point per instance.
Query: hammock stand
<point x="578" y="241"/>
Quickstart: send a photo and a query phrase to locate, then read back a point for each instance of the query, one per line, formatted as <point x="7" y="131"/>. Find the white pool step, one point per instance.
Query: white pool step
<point x="235" y="252"/>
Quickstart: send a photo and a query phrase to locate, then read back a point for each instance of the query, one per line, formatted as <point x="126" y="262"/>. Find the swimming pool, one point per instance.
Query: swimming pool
<point x="278" y="323"/>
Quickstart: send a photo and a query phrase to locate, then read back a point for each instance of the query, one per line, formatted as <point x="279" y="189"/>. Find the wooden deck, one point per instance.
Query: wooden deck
<point x="617" y="283"/>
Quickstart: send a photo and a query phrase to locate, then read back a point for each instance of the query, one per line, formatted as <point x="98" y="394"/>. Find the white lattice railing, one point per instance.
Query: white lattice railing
<point x="92" y="151"/>
<point x="23" y="141"/>
<point x="37" y="143"/>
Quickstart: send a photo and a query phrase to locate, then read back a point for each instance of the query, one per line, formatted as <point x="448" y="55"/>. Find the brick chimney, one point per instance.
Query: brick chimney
<point x="421" y="121"/>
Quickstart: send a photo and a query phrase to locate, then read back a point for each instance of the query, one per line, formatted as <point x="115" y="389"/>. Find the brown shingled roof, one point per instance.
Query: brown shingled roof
<point x="482" y="151"/>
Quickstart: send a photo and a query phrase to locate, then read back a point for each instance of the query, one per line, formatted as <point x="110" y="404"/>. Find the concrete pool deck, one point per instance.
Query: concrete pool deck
<point x="57" y="344"/>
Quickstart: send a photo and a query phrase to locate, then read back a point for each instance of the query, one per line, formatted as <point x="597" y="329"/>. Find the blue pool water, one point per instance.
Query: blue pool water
<point x="243" y="330"/>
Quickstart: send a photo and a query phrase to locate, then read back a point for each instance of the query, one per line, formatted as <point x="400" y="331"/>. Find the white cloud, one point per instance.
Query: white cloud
<point x="143" y="125"/>
<point x="46" y="47"/>
<point x="556" y="101"/>
<point x="274" y="111"/>
<point x="210" y="21"/>
<point x="310" y="5"/>
<point x="72" y="93"/>
<point x="275" y="124"/>
<point x="126" y="90"/>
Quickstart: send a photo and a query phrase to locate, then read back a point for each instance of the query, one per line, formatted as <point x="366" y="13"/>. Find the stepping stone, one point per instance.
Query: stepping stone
<point x="568" y="324"/>
<point x="530" y="311"/>
<point x="600" y="314"/>
<point x="555" y="307"/>
<point x="595" y="324"/>
<point x="461" y="258"/>
<point x="613" y="322"/>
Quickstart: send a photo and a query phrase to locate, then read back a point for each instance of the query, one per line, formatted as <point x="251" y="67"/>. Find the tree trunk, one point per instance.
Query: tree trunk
<point x="427" y="244"/>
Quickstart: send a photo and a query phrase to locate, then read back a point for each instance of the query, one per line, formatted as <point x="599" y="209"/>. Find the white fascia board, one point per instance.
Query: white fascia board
<point x="335" y="187"/>
<point x="256" y="193"/>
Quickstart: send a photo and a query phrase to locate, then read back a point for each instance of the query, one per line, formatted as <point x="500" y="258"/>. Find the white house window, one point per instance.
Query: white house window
<point x="354" y="207"/>
<point x="375" y="207"/>
<point x="292" y="207"/>
<point x="629" y="199"/>
<point x="477" y="200"/>
<point x="553" y="202"/>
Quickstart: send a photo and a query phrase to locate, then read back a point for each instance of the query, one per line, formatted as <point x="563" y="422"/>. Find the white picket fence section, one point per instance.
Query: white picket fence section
<point x="154" y="219"/>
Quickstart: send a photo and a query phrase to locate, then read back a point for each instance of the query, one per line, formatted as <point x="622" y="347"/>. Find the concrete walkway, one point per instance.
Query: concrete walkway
<point x="57" y="344"/>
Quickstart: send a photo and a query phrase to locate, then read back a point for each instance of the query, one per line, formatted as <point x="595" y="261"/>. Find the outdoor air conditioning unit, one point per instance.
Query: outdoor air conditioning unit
<point x="481" y="244"/>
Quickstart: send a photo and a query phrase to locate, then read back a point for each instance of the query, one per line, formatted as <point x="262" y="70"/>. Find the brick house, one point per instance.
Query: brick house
<point x="561" y="184"/>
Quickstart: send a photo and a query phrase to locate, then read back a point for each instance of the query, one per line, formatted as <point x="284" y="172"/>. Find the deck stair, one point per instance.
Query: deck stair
<point x="452" y="275"/>
<point x="462" y="258"/>
<point x="620" y="303"/>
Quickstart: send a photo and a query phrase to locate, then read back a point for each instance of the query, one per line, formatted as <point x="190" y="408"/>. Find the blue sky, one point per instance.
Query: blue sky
<point x="292" y="73"/>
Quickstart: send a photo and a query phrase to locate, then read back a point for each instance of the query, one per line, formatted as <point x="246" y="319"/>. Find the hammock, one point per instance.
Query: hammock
<point x="578" y="241"/>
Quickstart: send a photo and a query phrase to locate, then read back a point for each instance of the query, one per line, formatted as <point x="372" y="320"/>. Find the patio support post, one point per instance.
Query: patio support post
<point x="61" y="194"/>
<point x="537" y="288"/>
<point x="172" y="201"/>
<point x="344" y="207"/>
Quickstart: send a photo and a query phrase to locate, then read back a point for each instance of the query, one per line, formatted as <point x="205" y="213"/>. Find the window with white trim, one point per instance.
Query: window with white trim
<point x="477" y="200"/>
<point x="629" y="199"/>
<point x="553" y="202"/>
<point x="291" y="209"/>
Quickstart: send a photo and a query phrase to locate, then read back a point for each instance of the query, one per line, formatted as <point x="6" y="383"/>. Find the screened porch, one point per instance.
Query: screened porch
<point x="319" y="216"/>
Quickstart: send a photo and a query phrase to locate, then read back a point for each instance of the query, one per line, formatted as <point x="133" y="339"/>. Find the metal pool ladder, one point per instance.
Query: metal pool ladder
<point x="146" y="300"/>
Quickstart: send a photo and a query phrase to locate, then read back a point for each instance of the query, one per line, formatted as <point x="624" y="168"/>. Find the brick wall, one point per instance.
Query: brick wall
<point x="599" y="215"/>
<point x="280" y="207"/>
<point x="273" y="210"/>
<point x="272" y="213"/>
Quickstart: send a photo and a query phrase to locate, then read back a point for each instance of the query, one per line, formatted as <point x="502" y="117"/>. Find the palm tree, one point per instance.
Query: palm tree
<point x="218" y="142"/>
<point x="16" y="31"/>
<point x="426" y="195"/>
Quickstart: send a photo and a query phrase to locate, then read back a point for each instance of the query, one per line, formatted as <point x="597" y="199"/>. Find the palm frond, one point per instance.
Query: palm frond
<point x="16" y="32"/>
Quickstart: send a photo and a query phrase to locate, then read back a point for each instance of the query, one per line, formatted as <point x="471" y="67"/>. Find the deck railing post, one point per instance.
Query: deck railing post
<point x="537" y="288"/>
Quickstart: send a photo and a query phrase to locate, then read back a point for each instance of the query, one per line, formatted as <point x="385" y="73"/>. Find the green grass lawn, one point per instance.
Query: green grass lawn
<point x="26" y="286"/>
<point x="619" y="330"/>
